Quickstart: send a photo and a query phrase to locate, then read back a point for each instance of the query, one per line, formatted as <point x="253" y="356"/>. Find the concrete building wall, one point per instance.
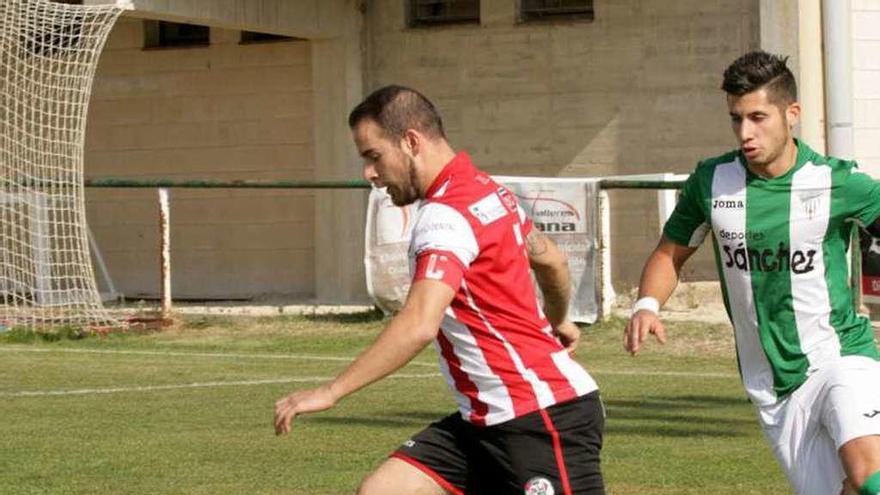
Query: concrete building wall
<point x="634" y="91"/>
<point x="866" y="84"/>
<point x="227" y="111"/>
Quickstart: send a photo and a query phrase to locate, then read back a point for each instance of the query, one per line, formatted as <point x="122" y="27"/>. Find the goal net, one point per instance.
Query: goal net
<point x="48" y="56"/>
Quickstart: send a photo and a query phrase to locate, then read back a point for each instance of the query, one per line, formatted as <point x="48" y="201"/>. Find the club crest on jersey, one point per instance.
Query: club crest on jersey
<point x="810" y="203"/>
<point x="507" y="199"/>
<point x="539" y="486"/>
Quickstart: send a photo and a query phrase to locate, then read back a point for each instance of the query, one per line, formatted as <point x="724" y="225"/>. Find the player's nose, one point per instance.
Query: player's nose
<point x="370" y="174"/>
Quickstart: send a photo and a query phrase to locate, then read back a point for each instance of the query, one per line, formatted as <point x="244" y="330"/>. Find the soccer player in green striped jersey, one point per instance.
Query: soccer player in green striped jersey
<point x="780" y="216"/>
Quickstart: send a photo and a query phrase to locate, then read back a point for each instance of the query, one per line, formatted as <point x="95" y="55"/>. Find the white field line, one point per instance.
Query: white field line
<point x="309" y="379"/>
<point x="153" y="388"/>
<point x="227" y="355"/>
<point x="313" y="357"/>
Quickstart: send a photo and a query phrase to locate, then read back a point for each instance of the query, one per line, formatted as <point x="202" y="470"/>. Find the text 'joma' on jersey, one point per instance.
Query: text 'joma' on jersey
<point x="728" y="203"/>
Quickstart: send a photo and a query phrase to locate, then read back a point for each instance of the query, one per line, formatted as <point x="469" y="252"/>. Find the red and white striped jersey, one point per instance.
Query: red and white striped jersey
<point x="496" y="348"/>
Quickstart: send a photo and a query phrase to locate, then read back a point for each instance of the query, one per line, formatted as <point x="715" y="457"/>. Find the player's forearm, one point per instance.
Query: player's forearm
<point x="555" y="283"/>
<point x="659" y="277"/>
<point x="399" y="343"/>
<point x="551" y="272"/>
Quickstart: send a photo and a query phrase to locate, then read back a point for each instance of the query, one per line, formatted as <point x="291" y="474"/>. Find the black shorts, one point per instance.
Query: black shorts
<point x="558" y="446"/>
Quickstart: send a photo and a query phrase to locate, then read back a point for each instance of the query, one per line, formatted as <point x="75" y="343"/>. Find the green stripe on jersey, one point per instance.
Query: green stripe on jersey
<point x="781" y="254"/>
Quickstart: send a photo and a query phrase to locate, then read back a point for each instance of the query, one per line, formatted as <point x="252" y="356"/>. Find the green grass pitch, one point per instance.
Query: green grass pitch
<point x="189" y="411"/>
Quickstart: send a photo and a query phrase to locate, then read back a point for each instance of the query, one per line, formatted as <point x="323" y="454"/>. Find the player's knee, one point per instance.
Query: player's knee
<point x="871" y="486"/>
<point x="379" y="482"/>
<point x="371" y="485"/>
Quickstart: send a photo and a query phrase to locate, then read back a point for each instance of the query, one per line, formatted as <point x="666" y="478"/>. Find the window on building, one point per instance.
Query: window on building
<point x="438" y="12"/>
<point x="536" y="10"/>
<point x="69" y="2"/>
<point x="160" y="34"/>
<point x="255" y="37"/>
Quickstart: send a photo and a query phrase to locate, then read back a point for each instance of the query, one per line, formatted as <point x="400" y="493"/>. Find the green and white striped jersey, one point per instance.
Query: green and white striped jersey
<point x="780" y="246"/>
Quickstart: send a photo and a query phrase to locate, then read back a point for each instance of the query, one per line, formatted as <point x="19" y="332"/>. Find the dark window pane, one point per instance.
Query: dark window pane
<point x="433" y="12"/>
<point x="255" y="37"/>
<point x="165" y="34"/>
<point x="555" y="9"/>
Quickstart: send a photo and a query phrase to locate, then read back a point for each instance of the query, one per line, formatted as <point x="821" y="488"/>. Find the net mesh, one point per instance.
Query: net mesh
<point x="48" y="56"/>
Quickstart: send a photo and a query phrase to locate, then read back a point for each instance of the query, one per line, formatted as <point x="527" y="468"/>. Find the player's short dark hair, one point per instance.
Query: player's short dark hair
<point x="759" y="69"/>
<point x="396" y="109"/>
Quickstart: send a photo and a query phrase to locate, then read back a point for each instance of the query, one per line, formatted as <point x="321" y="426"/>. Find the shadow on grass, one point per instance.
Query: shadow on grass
<point x="679" y="402"/>
<point x="29" y="336"/>
<point x="373" y="422"/>
<point x="370" y="316"/>
<point x="671" y="431"/>
<point x="674" y="417"/>
<point x="679" y="416"/>
<point x="426" y="416"/>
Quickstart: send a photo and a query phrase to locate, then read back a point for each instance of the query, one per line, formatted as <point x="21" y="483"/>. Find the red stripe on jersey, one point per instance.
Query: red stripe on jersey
<point x="536" y="349"/>
<point x="557" y="451"/>
<point x="497" y="356"/>
<point x="463" y="382"/>
<point x="434" y="264"/>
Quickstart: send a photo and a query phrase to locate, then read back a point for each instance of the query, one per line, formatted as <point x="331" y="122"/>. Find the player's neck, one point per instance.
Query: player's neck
<point x="435" y="159"/>
<point x="781" y="165"/>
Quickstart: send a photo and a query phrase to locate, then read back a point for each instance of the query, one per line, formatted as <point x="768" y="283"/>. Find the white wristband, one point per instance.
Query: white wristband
<point x="648" y="303"/>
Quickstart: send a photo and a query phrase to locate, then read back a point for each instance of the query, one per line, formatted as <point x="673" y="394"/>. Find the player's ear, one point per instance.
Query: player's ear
<point x="793" y="113"/>
<point x="411" y="142"/>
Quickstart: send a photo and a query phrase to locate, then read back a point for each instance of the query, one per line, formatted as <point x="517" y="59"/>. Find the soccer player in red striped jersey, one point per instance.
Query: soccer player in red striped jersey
<point x="529" y="417"/>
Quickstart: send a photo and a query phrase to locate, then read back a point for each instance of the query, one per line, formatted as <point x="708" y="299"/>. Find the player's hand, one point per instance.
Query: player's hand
<point x="568" y="334"/>
<point x="640" y="325"/>
<point x="305" y="401"/>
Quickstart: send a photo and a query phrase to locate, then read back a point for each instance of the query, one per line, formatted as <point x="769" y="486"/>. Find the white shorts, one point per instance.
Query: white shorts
<point x="836" y="404"/>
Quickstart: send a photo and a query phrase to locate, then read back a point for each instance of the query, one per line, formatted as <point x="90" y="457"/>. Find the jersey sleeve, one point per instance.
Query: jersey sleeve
<point x="862" y="196"/>
<point x="688" y="225"/>
<point x="443" y="245"/>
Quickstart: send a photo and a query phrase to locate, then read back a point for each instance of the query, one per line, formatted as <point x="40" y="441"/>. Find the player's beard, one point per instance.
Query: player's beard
<point x="406" y="192"/>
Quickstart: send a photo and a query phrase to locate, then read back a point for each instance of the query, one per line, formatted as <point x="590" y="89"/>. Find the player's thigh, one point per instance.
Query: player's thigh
<point x="398" y="477"/>
<point x="801" y="443"/>
<point x="852" y="415"/>
<point x="435" y="460"/>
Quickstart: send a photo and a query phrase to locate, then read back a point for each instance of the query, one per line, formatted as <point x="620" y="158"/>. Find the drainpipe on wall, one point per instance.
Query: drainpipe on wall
<point x="836" y="21"/>
<point x="837" y="34"/>
<point x="810" y="78"/>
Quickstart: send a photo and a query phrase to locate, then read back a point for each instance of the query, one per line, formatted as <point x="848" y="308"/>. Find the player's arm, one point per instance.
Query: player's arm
<point x="659" y="278"/>
<point x="551" y="272"/>
<point x="413" y="328"/>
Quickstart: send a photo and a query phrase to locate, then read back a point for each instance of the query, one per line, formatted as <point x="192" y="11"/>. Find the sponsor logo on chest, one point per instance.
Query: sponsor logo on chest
<point x="779" y="259"/>
<point x="488" y="209"/>
<point x="755" y="250"/>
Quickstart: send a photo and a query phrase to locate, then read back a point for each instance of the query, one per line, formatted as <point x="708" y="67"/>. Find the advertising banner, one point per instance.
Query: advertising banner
<point x="564" y="209"/>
